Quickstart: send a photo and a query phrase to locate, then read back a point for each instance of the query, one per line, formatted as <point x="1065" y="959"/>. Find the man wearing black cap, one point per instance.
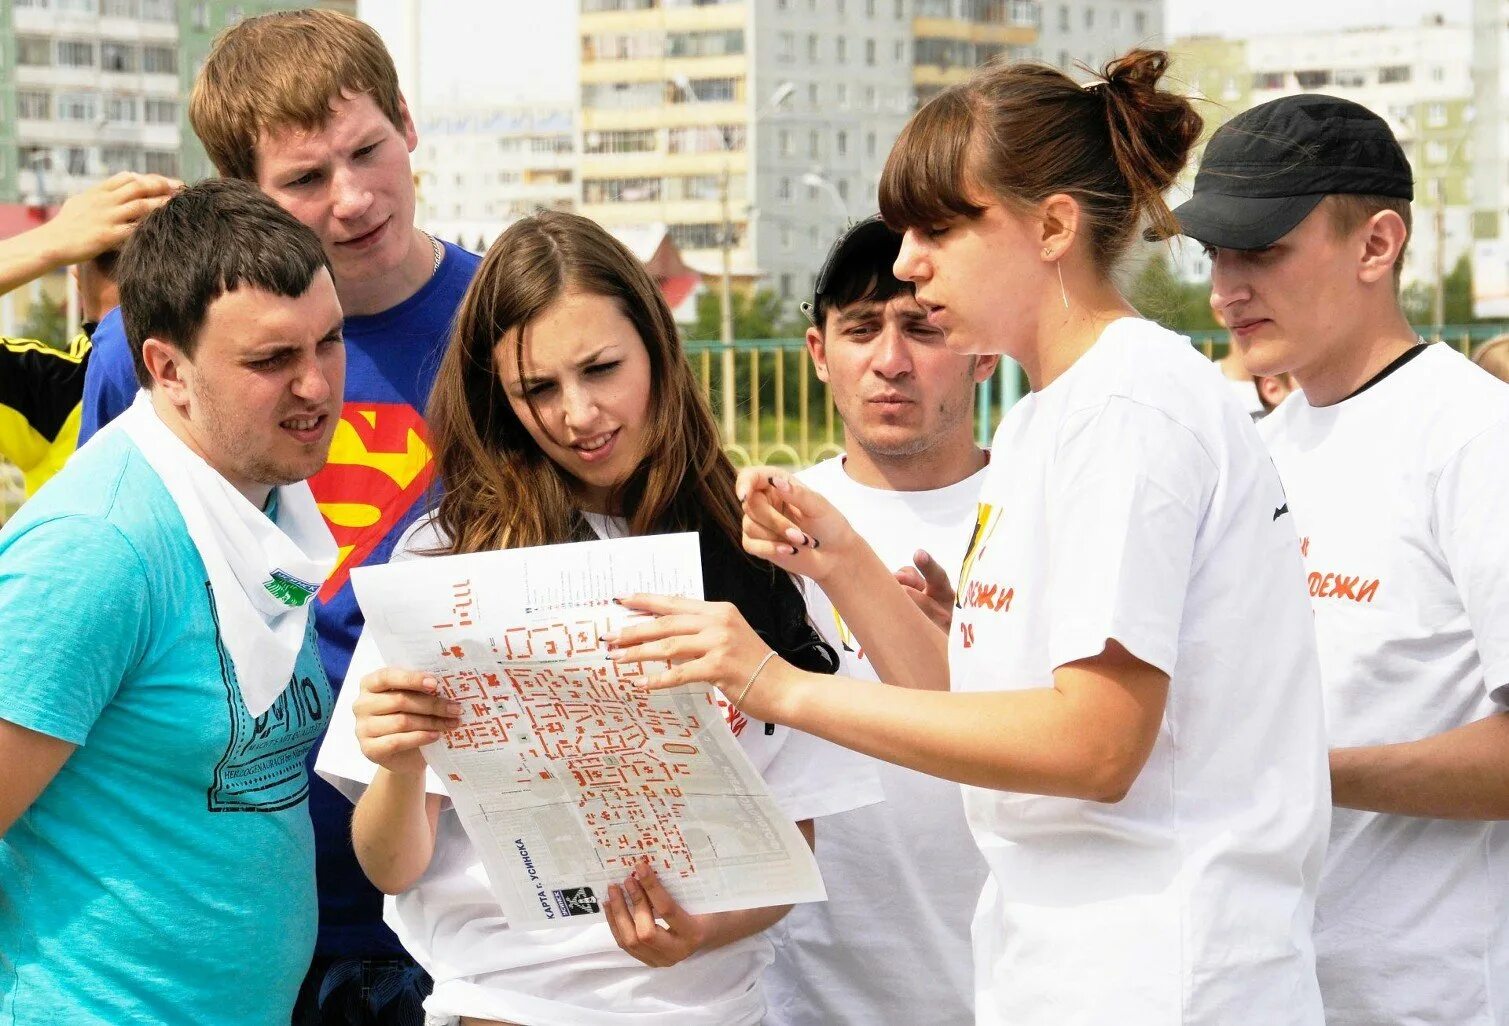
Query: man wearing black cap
<point x="1395" y="461"/>
<point x="891" y="944"/>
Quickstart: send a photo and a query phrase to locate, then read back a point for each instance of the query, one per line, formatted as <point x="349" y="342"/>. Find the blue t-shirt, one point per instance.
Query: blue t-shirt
<point x="372" y="489"/>
<point x="166" y="874"/>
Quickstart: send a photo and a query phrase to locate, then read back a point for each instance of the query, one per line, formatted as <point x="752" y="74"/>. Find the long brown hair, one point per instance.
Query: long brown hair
<point x="1022" y="132"/>
<point x="500" y="490"/>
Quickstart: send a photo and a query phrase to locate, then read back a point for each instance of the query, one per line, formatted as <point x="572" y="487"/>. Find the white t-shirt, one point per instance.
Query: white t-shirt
<point x="1401" y="497"/>
<point x="1130" y="499"/>
<point x="576" y="976"/>
<point x="891" y="943"/>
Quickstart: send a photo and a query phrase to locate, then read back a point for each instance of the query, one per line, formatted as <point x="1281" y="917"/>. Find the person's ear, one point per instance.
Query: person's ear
<point x="1059" y="215"/>
<point x="818" y="347"/>
<point x="410" y="135"/>
<point x="985" y="366"/>
<point x="166" y="368"/>
<point x="1383" y="239"/>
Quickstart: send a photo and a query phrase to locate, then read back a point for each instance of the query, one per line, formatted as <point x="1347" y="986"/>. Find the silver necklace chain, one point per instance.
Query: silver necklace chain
<point x="437" y="249"/>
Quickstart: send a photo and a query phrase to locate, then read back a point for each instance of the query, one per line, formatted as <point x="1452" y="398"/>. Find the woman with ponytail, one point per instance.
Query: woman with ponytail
<point x="1135" y="705"/>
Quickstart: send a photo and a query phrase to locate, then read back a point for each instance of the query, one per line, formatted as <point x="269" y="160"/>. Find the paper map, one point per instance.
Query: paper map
<point x="565" y="771"/>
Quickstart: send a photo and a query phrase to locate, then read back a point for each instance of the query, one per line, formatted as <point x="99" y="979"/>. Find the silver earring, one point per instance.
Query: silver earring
<point x="1062" y="293"/>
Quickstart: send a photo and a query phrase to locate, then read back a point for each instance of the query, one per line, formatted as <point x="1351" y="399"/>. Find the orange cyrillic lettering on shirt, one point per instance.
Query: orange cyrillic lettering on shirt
<point x="1342" y="586"/>
<point x="967" y="634"/>
<point x="993" y="597"/>
<point x="1304" y="546"/>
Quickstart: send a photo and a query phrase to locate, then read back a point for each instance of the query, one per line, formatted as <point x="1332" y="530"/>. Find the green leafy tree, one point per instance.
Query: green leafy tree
<point x="758" y="314"/>
<point x="47" y="321"/>
<point x="1160" y="295"/>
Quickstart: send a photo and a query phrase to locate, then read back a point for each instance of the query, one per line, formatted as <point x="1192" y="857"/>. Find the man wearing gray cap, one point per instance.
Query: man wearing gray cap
<point x="1393" y="455"/>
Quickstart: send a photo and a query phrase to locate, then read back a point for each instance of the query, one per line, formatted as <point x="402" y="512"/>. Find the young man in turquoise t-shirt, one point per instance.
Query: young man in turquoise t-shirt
<point x="160" y="684"/>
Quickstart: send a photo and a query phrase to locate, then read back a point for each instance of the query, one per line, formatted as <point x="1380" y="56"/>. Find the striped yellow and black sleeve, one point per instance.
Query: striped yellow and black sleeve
<point x="40" y="392"/>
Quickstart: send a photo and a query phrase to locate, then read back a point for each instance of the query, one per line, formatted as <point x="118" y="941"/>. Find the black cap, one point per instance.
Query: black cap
<point x="1268" y="167"/>
<point x="870" y="233"/>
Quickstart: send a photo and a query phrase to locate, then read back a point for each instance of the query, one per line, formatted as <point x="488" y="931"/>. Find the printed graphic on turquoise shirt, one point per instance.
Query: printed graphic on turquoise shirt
<point x="263" y="767"/>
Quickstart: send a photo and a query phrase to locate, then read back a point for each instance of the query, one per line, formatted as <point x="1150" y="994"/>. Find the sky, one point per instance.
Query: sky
<point x="505" y="51"/>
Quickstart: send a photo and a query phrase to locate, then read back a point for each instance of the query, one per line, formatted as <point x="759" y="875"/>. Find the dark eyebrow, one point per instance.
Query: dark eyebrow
<point x="586" y="361"/>
<point x="857" y="312"/>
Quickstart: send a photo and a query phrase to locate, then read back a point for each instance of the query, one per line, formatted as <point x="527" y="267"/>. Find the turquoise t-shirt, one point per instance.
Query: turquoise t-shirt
<point x="166" y="874"/>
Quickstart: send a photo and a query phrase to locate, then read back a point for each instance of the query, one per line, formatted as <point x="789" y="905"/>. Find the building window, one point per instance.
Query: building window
<point x="85" y="7"/>
<point x="1139" y="22"/>
<point x="1063" y="17"/>
<point x="842" y="49"/>
<point x="870" y="52"/>
<point x="1435" y="115"/>
<point x="717" y="43"/>
<point x="33" y="106"/>
<point x="841" y="94"/>
<point x="843" y="188"/>
<point x="159" y="10"/>
<point x="1393" y="73"/>
<point x="1435" y="153"/>
<point x="117" y="57"/>
<point x="786" y="286"/>
<point x="620" y="95"/>
<point x="1351" y="77"/>
<point x="1437" y="73"/>
<point x="160" y="163"/>
<point x="870" y="144"/>
<point x="705" y="139"/>
<point x="120" y="158"/>
<point x="872" y="99"/>
<point x="1089" y="17"/>
<point x="1268" y="80"/>
<point x="785" y="50"/>
<point x="783" y="191"/>
<point x="785" y="241"/>
<point x="841" y="142"/>
<point x="77" y="106"/>
<point x="75" y="54"/>
<point x="76" y="160"/>
<point x="812" y="48"/>
<point x="900" y="9"/>
<point x="1115" y="19"/>
<point x="33" y="52"/>
<point x="788" y="144"/>
<point x="120" y="110"/>
<point x="159" y="60"/>
<point x="1313" y="79"/>
<point x="701" y="236"/>
<point x="622" y="141"/>
<point x="201" y="16"/>
<point x="120" y="9"/>
<point x="869" y="8"/>
<point x="812" y="95"/>
<point x="620" y="190"/>
<point x="699" y="90"/>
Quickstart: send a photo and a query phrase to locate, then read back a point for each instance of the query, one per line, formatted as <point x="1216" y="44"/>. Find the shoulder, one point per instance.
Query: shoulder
<point x="424" y="537"/>
<point x="109" y="351"/>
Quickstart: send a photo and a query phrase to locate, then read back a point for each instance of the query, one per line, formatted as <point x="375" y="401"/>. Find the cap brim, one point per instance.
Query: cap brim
<point x="1240" y="222"/>
<point x="866" y="234"/>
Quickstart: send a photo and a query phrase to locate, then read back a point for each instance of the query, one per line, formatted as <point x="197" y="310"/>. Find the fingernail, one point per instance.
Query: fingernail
<point x="789" y="550"/>
<point x="609" y="636"/>
<point x="794" y="536"/>
<point x="454" y="708"/>
<point x="431" y="683"/>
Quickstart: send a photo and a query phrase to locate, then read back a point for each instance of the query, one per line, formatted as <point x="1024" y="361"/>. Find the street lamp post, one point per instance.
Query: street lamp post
<point x="726" y="248"/>
<point x="817" y="180"/>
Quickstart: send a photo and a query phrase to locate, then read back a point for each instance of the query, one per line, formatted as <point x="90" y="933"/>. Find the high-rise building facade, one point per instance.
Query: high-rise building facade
<point x="773" y="115"/>
<point x="1091" y="32"/>
<point x="92" y="87"/>
<point x="1417" y="78"/>
<point x="479" y="169"/>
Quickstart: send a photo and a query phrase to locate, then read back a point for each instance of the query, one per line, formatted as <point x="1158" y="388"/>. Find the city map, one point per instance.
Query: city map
<point x="565" y="771"/>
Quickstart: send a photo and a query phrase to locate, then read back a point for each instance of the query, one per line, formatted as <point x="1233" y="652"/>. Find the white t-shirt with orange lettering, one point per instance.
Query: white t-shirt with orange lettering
<point x="891" y="944"/>
<point x="1130" y="499"/>
<point x="1401" y="497"/>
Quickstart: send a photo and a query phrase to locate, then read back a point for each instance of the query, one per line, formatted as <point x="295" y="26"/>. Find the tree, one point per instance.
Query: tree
<point x="1418" y="299"/>
<point x="1159" y="295"/>
<point x="47" y="321"/>
<point x="759" y="314"/>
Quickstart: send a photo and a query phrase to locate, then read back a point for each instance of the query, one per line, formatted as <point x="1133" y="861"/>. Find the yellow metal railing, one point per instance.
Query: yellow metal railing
<point x="777" y="409"/>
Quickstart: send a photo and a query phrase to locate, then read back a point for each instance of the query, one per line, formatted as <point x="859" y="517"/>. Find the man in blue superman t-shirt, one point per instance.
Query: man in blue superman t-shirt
<point x="348" y="178"/>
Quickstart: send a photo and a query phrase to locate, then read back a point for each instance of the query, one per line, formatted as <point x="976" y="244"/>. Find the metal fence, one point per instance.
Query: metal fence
<point x="781" y="413"/>
<point x="773" y="384"/>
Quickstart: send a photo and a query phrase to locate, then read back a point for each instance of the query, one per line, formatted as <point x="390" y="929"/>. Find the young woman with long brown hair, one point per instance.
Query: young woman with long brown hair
<point x="1137" y="714"/>
<point x="565" y="410"/>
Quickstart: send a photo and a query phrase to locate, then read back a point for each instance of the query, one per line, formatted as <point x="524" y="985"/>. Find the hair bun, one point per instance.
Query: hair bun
<point x="1152" y="130"/>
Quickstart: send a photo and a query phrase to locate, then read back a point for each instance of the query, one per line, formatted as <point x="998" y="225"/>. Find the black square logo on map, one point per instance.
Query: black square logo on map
<point x="577" y="901"/>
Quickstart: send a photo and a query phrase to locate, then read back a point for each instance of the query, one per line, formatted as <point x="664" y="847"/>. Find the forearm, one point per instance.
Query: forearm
<point x="1459" y="774"/>
<point x="393" y="830"/>
<point x="1037" y="741"/>
<point x="26" y="257"/>
<point x="905" y="647"/>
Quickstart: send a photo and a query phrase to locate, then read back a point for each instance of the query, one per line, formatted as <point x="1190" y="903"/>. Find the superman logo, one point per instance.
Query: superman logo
<point x="379" y="466"/>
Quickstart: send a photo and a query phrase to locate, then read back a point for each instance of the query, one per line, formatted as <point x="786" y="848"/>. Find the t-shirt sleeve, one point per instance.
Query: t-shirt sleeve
<point x="74" y="605"/>
<point x="810" y="778"/>
<point x="1126" y="497"/>
<point x="110" y="383"/>
<point x="1472" y="524"/>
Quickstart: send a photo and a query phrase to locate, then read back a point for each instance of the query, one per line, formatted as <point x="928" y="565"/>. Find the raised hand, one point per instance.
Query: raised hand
<point x="397" y="713"/>
<point x="103" y="216"/>
<point x="928" y="586"/>
<point x="790" y="525"/>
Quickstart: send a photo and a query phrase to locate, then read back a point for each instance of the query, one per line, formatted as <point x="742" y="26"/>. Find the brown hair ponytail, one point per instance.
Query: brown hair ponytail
<point x="1023" y="132"/>
<point x="1152" y="131"/>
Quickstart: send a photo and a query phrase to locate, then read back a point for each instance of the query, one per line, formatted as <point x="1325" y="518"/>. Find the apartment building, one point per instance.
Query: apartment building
<point x="92" y="87"/>
<point x="774" y="115"/>
<point x="1418" y="78"/>
<point x="479" y="169"/>
<point x="1091" y="32"/>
